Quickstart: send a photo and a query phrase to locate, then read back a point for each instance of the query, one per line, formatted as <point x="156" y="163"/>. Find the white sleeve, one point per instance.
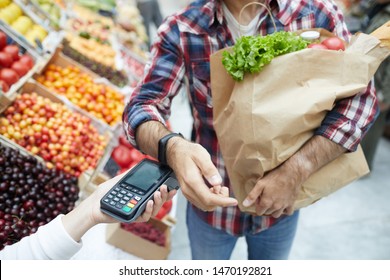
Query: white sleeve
<point x="50" y="242"/>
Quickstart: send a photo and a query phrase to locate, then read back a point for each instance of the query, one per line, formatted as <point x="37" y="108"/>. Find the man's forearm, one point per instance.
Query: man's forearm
<point x="147" y="136"/>
<point x="317" y="152"/>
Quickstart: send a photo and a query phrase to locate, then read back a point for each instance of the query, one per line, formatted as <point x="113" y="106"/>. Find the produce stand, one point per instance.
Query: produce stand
<point x="31" y="105"/>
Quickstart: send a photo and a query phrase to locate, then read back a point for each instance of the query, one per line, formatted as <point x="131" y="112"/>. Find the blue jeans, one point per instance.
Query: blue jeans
<point x="208" y="243"/>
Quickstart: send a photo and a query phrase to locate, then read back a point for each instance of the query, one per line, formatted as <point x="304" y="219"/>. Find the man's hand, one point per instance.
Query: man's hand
<point x="192" y="165"/>
<point x="275" y="193"/>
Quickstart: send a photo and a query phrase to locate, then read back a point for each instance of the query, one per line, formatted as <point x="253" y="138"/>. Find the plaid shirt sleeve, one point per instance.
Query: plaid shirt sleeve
<point x="350" y="119"/>
<point x="152" y="97"/>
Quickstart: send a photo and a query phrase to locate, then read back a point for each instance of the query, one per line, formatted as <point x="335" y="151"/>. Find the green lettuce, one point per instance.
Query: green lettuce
<point x="251" y="53"/>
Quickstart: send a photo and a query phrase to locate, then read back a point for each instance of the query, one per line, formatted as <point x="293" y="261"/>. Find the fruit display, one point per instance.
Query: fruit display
<point x="96" y="57"/>
<point x="146" y="231"/>
<point x="99" y="100"/>
<point x="130" y="29"/>
<point x="14" y="64"/>
<point x="31" y="195"/>
<point x="96" y="5"/>
<point x="66" y="140"/>
<point x="133" y="65"/>
<point x="91" y="49"/>
<point x="90" y="25"/>
<point x="51" y="9"/>
<point x="14" y="16"/>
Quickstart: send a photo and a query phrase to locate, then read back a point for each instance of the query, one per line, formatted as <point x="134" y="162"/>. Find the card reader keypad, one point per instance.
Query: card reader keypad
<point x="124" y="197"/>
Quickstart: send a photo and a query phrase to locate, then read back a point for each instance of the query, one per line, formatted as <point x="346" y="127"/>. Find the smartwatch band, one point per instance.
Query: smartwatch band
<point x="162" y="147"/>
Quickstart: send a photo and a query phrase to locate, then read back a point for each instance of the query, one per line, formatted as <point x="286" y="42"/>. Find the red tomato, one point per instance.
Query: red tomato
<point x="334" y="43"/>
<point x="9" y="76"/>
<point x="20" y="68"/>
<point x="123" y="141"/>
<point x="4" y="86"/>
<point x="5" y="59"/>
<point x="27" y="60"/>
<point x="3" y="40"/>
<point x="121" y="155"/>
<point x="13" y="50"/>
<point x="317" y="46"/>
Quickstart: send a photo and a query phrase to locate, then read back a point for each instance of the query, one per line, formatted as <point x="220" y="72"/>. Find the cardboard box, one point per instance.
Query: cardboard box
<point x="138" y="246"/>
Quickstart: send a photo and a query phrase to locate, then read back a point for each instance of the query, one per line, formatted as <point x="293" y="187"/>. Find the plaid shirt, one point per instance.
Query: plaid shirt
<point x="182" y="53"/>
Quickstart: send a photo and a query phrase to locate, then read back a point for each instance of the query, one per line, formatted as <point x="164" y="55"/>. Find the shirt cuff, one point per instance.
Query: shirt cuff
<point x="341" y="130"/>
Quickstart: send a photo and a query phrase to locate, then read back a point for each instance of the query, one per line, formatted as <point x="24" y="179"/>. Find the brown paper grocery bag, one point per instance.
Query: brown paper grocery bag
<point x="263" y="120"/>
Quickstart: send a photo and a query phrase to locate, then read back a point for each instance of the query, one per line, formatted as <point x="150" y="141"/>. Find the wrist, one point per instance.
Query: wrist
<point x="172" y="149"/>
<point x="163" y="145"/>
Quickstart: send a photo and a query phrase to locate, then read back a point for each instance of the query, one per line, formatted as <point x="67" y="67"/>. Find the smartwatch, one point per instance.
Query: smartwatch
<point x="162" y="147"/>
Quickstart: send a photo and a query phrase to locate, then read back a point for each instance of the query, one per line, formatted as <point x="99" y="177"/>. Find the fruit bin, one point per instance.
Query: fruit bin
<point x="11" y="144"/>
<point x="99" y="58"/>
<point x="16" y="56"/>
<point x="138" y="246"/>
<point x="64" y="147"/>
<point x="49" y="12"/>
<point x="28" y="27"/>
<point x="31" y="194"/>
<point x="93" y="103"/>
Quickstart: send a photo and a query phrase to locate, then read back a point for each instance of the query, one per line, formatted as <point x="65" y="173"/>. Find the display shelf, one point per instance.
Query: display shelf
<point x="46" y="16"/>
<point x="12" y="39"/>
<point x="67" y="159"/>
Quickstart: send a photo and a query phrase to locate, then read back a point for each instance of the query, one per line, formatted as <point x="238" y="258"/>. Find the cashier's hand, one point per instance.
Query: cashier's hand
<point x="192" y="165"/>
<point x="151" y="210"/>
<point x="87" y="214"/>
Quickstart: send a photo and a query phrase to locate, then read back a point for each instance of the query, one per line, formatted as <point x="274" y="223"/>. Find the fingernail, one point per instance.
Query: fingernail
<point x="215" y="180"/>
<point x="247" y="203"/>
